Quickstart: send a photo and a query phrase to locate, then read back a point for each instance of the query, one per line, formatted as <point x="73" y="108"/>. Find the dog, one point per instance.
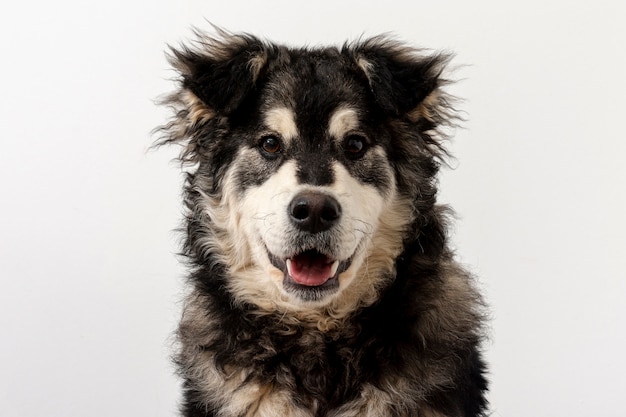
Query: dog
<point x="320" y="279"/>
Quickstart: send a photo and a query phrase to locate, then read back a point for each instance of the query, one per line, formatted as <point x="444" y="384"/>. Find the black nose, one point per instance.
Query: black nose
<point x="314" y="212"/>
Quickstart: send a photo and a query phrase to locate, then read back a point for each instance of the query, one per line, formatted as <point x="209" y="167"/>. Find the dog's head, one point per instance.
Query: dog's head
<point x="310" y="166"/>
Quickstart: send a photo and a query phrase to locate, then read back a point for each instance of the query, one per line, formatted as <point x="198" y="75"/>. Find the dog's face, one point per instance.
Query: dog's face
<point x="303" y="159"/>
<point x="316" y="200"/>
<point x="313" y="178"/>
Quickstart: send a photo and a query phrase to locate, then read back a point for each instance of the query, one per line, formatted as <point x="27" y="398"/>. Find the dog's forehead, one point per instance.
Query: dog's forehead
<point x="314" y="86"/>
<point x="283" y="120"/>
<point x="342" y="120"/>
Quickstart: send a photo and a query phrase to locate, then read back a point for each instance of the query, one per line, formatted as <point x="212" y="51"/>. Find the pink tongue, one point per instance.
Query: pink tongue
<point x="310" y="270"/>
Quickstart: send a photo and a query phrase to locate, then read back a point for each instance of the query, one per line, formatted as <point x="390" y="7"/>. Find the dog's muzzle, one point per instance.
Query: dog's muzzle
<point x="312" y="272"/>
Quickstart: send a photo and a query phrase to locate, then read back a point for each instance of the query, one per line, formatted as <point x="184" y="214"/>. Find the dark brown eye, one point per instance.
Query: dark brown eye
<point x="270" y="145"/>
<point x="354" y="146"/>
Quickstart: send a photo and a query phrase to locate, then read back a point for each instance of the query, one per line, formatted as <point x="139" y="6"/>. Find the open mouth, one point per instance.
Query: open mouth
<point x="310" y="274"/>
<point x="311" y="268"/>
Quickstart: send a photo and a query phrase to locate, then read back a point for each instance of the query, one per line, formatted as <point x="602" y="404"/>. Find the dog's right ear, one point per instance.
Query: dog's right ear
<point x="216" y="75"/>
<point x="220" y="71"/>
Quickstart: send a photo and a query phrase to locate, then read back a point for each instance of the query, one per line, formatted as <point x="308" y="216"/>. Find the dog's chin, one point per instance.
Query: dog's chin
<point x="310" y="276"/>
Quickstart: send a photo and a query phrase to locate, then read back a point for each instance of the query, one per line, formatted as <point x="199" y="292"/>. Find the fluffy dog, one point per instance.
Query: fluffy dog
<point x="320" y="279"/>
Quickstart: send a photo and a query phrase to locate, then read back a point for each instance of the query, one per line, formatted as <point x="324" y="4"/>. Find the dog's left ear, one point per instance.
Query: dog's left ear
<point x="404" y="82"/>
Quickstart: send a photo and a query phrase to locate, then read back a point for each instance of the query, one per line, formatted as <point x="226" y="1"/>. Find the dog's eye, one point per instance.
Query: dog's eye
<point x="354" y="146"/>
<point x="270" y="145"/>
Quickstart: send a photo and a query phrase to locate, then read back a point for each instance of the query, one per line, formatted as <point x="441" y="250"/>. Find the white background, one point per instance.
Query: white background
<point x="90" y="284"/>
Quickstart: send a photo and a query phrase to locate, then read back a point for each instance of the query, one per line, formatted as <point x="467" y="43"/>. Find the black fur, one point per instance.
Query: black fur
<point x="419" y="329"/>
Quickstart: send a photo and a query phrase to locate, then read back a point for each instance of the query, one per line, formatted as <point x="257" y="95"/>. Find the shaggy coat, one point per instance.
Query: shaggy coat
<point x="320" y="280"/>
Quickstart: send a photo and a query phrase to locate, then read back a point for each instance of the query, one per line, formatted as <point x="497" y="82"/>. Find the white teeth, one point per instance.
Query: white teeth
<point x="288" y="262"/>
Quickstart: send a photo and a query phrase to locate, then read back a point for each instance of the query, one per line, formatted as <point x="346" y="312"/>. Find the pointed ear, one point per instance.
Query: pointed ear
<point x="217" y="74"/>
<point x="220" y="71"/>
<point x="404" y="82"/>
